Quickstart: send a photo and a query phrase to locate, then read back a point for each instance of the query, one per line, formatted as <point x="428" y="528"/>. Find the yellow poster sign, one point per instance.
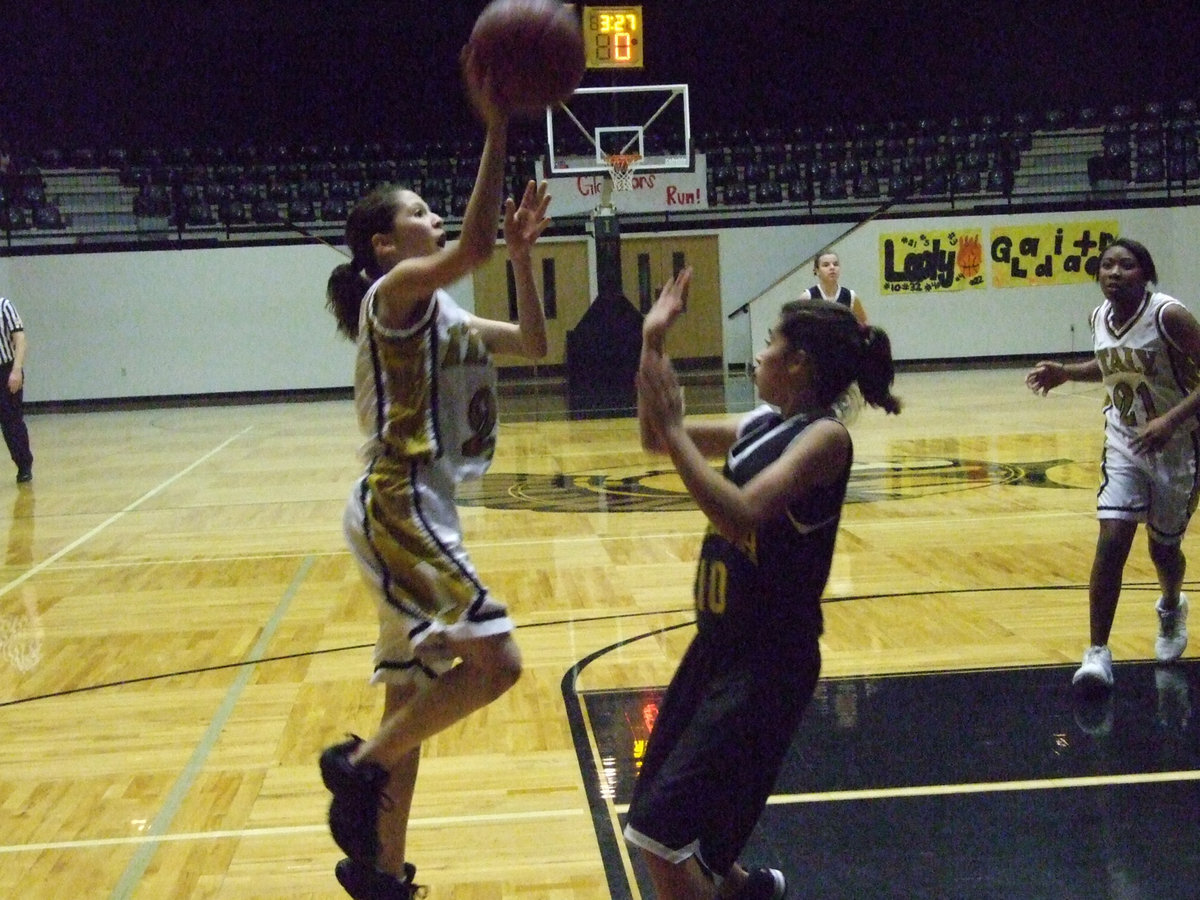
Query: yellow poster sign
<point x="931" y="260"/>
<point x="1035" y="255"/>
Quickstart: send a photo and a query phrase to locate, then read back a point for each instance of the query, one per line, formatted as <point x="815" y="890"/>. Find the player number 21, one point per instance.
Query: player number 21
<point x="1124" y="395"/>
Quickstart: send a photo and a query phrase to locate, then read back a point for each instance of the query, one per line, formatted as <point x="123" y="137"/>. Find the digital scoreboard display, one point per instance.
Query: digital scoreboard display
<point x="612" y="37"/>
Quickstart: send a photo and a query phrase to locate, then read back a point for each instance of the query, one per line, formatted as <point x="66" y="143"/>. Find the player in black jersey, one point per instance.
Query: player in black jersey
<point x="733" y="705"/>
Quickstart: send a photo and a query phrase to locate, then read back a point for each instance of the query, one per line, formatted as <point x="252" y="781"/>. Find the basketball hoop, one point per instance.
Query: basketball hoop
<point x="620" y="169"/>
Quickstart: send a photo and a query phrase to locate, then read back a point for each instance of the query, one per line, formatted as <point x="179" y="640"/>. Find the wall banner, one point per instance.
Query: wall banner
<point x="1037" y="255"/>
<point x="931" y="260"/>
<point x="654" y="190"/>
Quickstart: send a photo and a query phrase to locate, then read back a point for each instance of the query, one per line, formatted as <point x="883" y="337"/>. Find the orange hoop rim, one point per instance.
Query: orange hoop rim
<point x="622" y="161"/>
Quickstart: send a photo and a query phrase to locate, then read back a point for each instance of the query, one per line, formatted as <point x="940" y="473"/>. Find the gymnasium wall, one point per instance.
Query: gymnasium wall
<point x="985" y="321"/>
<point x="180" y="322"/>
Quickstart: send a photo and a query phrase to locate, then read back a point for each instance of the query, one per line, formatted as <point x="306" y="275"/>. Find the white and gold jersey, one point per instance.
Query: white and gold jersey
<point x="1144" y="372"/>
<point x="427" y="393"/>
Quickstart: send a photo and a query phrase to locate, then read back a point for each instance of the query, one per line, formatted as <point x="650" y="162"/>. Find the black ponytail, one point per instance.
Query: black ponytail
<point x="844" y="351"/>
<point x="348" y="283"/>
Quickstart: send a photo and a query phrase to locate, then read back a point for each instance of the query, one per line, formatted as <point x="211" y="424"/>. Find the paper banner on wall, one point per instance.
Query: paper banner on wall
<point x="1038" y="255"/>
<point x="921" y="261"/>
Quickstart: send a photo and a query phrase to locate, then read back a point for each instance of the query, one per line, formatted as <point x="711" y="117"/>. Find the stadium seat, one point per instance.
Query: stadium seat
<point x="265" y="212"/>
<point x="866" y="186"/>
<point x="233" y="212"/>
<point x="15" y="218"/>
<point x="966" y="182"/>
<point x="935" y="184"/>
<point x="48" y="217"/>
<point x="796" y="191"/>
<point x="833" y="187"/>
<point x="1149" y="171"/>
<point x="1184" y="168"/>
<point x="900" y="185"/>
<point x="216" y="192"/>
<point x="768" y="192"/>
<point x="334" y="209"/>
<point x="200" y="215"/>
<point x="301" y="211"/>
<point x="1000" y="181"/>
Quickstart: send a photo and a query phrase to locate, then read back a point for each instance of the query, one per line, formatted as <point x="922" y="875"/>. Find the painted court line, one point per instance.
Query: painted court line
<point x="252" y="833"/>
<point x="83" y="539"/>
<point x="938" y="790"/>
<point x="191" y="771"/>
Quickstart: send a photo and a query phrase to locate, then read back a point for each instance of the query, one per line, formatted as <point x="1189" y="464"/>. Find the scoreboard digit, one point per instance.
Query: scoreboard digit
<point x="612" y="37"/>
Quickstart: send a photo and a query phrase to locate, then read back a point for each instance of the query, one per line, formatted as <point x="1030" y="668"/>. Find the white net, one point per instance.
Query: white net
<point x="620" y="169"/>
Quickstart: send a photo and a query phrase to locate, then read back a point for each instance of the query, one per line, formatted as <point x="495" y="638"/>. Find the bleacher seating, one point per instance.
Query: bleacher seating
<point x="1149" y="146"/>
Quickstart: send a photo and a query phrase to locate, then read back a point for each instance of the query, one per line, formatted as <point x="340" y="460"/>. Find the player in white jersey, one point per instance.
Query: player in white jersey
<point x="1147" y="353"/>
<point x="426" y="402"/>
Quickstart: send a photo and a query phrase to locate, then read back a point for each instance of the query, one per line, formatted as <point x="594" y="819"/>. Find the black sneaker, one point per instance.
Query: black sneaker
<point x="364" y="882"/>
<point x="763" y="884"/>
<point x="357" y="794"/>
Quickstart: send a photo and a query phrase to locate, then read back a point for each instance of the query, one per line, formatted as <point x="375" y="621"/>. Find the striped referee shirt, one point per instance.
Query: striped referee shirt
<point x="9" y="323"/>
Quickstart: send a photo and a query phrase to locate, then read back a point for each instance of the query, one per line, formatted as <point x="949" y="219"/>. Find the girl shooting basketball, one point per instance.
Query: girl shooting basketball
<point x="424" y="389"/>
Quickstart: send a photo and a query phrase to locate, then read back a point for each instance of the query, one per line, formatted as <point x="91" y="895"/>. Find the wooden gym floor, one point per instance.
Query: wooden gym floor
<point x="183" y="631"/>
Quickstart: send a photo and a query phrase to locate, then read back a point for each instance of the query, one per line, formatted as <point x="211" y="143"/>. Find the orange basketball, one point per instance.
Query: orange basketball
<point x="532" y="49"/>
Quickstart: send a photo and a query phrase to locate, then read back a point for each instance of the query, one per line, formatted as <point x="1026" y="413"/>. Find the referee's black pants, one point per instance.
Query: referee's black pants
<point x="12" y="422"/>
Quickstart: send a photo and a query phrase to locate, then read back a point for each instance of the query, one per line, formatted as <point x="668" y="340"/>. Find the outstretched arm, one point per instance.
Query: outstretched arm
<point x="712" y="438"/>
<point x="523" y="225"/>
<point x="815" y="459"/>
<point x="1047" y="375"/>
<point x="409" y="284"/>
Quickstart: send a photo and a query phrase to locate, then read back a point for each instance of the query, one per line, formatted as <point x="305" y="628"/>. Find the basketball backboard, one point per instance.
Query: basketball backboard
<point x="652" y="121"/>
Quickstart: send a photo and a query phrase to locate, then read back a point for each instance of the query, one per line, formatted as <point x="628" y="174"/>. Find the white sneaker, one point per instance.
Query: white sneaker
<point x="1172" y="631"/>
<point x="1096" y="672"/>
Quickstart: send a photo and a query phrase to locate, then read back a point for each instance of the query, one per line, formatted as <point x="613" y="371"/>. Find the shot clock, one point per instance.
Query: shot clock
<point x="612" y="37"/>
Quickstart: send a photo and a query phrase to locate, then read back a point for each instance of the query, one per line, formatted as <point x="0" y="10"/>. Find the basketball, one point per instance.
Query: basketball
<point x="532" y="49"/>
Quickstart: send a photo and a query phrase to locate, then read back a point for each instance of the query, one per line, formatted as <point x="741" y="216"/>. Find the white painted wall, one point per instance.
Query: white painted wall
<point x="176" y="322"/>
<point x="993" y="321"/>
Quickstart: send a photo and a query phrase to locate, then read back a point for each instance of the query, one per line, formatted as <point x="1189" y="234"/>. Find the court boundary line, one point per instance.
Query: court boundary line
<point x="117" y="516"/>
<point x="136" y="868"/>
<point x="984" y="787"/>
<point x="277" y="831"/>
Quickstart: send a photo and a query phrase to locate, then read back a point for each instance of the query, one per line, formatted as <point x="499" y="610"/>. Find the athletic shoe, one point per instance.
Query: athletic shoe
<point x="763" y="884"/>
<point x="24" y="476"/>
<point x="1172" y="631"/>
<point x="1096" y="673"/>
<point x="357" y="794"/>
<point x="365" y="882"/>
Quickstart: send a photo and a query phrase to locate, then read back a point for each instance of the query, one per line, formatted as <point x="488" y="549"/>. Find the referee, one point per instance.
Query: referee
<point x="12" y="375"/>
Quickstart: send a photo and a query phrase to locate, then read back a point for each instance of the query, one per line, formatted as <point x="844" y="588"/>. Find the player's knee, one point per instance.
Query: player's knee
<point x="499" y="665"/>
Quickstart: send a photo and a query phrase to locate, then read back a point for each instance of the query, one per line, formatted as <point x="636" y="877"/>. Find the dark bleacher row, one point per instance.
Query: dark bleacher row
<point x="196" y="188"/>
<point x="1153" y="144"/>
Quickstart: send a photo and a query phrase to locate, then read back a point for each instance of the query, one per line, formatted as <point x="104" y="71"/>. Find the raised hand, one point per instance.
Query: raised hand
<point x="524" y="224"/>
<point x="671" y="303"/>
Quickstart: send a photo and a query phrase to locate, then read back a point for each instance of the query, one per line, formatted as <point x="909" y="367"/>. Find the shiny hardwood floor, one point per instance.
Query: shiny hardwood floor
<point x="183" y="630"/>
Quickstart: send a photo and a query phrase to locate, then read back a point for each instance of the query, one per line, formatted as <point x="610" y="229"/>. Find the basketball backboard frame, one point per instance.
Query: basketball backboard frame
<point x="653" y="121"/>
